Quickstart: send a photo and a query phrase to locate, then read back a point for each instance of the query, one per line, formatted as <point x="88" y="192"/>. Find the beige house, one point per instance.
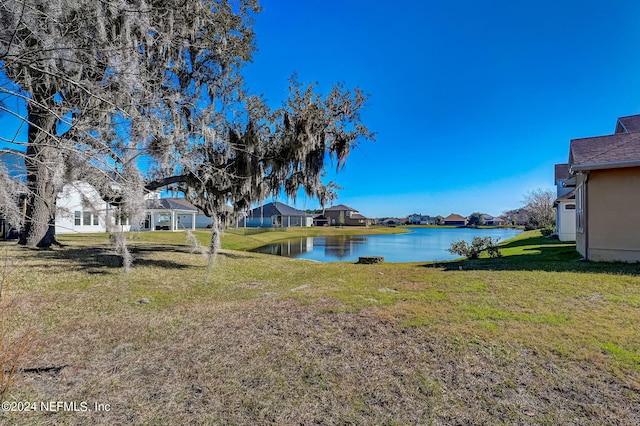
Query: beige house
<point x="607" y="193"/>
<point x="344" y="215"/>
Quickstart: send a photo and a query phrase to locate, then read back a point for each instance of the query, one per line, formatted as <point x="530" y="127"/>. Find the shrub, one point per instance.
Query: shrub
<point x="547" y="231"/>
<point x="478" y="245"/>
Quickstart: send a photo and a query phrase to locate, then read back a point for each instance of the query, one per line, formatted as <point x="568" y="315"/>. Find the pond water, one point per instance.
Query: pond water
<point x="422" y="244"/>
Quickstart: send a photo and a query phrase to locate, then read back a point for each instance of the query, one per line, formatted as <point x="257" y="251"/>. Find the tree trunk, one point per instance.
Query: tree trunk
<point x="216" y="230"/>
<point x="43" y="159"/>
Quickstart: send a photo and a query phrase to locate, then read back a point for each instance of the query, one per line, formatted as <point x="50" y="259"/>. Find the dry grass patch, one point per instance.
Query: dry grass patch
<point x="278" y="362"/>
<point x="263" y="340"/>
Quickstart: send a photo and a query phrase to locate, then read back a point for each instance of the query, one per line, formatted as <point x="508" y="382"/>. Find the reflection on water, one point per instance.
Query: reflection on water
<point x="422" y="244"/>
<point x="337" y="246"/>
<point x="340" y="246"/>
<point x="289" y="248"/>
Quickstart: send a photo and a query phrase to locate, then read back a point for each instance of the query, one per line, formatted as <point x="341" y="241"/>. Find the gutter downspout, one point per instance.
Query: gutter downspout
<point x="586" y="216"/>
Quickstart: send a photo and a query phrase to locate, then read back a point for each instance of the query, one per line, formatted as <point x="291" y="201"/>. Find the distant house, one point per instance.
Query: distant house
<point x="493" y="220"/>
<point x="606" y="170"/>
<point x="275" y="215"/>
<point x="345" y="215"/>
<point x="565" y="204"/>
<point x="419" y="219"/>
<point x="12" y="162"/>
<point x="320" y="220"/>
<point x="392" y="221"/>
<point x="454" y="220"/>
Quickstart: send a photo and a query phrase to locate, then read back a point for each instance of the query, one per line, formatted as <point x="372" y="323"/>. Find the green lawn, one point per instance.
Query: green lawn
<point x="534" y="337"/>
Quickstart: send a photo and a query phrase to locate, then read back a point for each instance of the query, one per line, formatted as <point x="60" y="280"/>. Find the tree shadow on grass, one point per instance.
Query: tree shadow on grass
<point x="539" y="254"/>
<point x="98" y="260"/>
<point x="232" y="255"/>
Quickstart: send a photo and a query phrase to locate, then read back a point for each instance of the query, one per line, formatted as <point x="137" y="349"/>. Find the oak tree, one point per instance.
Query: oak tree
<point x="133" y="95"/>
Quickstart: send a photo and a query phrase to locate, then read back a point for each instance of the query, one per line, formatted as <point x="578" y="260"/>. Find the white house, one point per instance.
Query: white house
<point x="81" y="209"/>
<point x="565" y="204"/>
<point x="420" y="219"/>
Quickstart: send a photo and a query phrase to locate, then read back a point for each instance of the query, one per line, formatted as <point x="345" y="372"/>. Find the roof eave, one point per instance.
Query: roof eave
<point x="570" y="183"/>
<point x="172" y="210"/>
<point x="604" y="166"/>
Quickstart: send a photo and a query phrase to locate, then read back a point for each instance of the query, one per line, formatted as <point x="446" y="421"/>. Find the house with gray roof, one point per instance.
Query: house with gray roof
<point x="605" y="171"/>
<point x="172" y="214"/>
<point x="421" y="219"/>
<point x="274" y="215"/>
<point x="454" y="219"/>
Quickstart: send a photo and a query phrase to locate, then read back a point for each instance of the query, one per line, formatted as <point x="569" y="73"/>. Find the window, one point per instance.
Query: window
<point x="121" y="218"/>
<point x="86" y="218"/>
<point x="76" y="218"/>
<point x="580" y="208"/>
<point x="569" y="206"/>
<point x="95" y="220"/>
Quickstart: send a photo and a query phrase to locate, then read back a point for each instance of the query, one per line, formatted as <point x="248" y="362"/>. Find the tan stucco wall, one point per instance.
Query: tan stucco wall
<point x="613" y="215"/>
<point x="333" y="217"/>
<point x="336" y="219"/>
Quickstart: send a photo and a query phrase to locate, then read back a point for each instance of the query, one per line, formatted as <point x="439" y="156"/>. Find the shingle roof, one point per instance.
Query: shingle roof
<point x="629" y="124"/>
<point x="566" y="197"/>
<point x="276" y="208"/>
<point x="341" y="207"/>
<point x="562" y="171"/>
<point x="171" y="204"/>
<point x="605" y="152"/>
<point x="453" y="217"/>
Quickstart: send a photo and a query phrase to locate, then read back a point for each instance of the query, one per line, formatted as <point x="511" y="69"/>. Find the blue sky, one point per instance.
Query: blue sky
<point x="473" y="101"/>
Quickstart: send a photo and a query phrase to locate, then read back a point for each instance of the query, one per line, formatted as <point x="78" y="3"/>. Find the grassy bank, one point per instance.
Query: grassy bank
<point x="535" y="337"/>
